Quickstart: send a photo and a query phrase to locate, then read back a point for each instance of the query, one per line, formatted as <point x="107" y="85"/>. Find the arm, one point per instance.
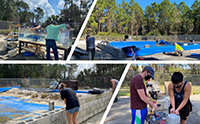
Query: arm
<point x="71" y="29"/>
<point x="65" y="101"/>
<point x="186" y="96"/>
<point x="37" y="27"/>
<point x="113" y="85"/>
<point x="76" y="95"/>
<point x="145" y="99"/>
<point x="171" y="95"/>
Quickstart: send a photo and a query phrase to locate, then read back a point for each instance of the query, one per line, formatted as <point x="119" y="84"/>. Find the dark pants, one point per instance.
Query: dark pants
<point x="50" y="43"/>
<point x="91" y="52"/>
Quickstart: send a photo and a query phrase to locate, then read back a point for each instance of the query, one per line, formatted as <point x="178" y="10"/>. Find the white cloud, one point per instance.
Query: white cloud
<point x="44" y="4"/>
<point x="61" y="4"/>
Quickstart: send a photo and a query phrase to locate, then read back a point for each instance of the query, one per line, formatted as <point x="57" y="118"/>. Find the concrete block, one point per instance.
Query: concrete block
<point x="79" y="120"/>
<point x="88" y="99"/>
<point x="94" y="97"/>
<point x="82" y="100"/>
<point x="86" y="105"/>
<point x="90" y="114"/>
<point x="95" y="111"/>
<point x="95" y="102"/>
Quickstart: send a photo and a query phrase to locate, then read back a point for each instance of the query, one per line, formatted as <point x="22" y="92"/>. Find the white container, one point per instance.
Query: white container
<point x="164" y="104"/>
<point x="173" y="119"/>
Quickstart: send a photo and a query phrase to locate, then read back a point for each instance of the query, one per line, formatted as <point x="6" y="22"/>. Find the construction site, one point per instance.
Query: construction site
<point x="29" y="105"/>
<point x="38" y="100"/>
<point x="21" y="42"/>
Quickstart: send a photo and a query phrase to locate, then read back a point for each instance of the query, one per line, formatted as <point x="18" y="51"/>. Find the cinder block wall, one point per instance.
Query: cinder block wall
<point x="112" y="50"/>
<point x="90" y="106"/>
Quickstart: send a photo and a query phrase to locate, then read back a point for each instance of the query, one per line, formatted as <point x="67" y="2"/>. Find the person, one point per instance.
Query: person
<point x="35" y="28"/>
<point x="138" y="95"/>
<point x="114" y="85"/>
<point x="179" y="92"/>
<point x="52" y="34"/>
<point x="72" y="104"/>
<point x="191" y="40"/>
<point x="178" y="50"/>
<point x="90" y="46"/>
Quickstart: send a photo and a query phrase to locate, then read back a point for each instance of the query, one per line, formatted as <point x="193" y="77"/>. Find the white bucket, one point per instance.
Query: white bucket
<point x="173" y="119"/>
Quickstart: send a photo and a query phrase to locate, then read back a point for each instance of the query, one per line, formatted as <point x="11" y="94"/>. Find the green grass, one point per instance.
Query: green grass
<point x="126" y="91"/>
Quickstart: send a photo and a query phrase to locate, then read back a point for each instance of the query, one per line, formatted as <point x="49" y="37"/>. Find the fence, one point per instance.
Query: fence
<point x="4" y="27"/>
<point x="161" y="77"/>
<point x="144" y="38"/>
<point x="99" y="82"/>
<point x="26" y="82"/>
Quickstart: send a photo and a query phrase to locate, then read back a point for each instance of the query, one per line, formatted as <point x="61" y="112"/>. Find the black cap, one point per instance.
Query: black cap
<point x="87" y="36"/>
<point x="55" y="22"/>
<point x="150" y="70"/>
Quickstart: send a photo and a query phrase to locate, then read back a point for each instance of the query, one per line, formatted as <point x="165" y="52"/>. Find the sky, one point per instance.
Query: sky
<point x="50" y="7"/>
<point x="144" y="3"/>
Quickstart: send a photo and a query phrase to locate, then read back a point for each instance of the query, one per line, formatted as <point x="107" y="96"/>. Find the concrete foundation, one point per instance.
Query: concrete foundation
<point x="90" y="106"/>
<point x="112" y="50"/>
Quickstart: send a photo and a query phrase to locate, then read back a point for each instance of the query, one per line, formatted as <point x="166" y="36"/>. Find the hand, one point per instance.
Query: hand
<point x="176" y="112"/>
<point x="155" y="106"/>
<point x="172" y="110"/>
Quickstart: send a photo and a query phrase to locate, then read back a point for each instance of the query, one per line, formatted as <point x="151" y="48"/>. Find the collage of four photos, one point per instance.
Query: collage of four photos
<point x="99" y="62"/>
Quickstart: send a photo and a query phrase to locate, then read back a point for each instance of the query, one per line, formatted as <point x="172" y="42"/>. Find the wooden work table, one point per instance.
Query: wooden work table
<point x="24" y="43"/>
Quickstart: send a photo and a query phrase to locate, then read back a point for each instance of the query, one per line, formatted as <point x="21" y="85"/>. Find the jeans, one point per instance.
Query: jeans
<point x="50" y="43"/>
<point x="72" y="110"/>
<point x="91" y="52"/>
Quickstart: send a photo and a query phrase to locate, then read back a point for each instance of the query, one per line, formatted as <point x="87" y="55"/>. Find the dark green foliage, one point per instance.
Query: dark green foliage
<point x="165" y="18"/>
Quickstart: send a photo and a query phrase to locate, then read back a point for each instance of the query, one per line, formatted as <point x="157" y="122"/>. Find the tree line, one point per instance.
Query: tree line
<point x="166" y="18"/>
<point x="96" y="76"/>
<point x="163" y="72"/>
<point x="19" y="11"/>
<point x="100" y="75"/>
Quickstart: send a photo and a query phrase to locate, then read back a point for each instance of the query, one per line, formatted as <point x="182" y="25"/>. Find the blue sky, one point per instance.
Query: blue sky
<point x="50" y="7"/>
<point x="144" y="3"/>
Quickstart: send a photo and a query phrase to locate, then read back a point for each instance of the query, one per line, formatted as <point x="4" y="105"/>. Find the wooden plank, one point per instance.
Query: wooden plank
<point x="33" y="51"/>
<point x="42" y="44"/>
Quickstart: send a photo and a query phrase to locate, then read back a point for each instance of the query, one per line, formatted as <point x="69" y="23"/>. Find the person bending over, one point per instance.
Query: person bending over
<point x="178" y="50"/>
<point x="72" y="104"/>
<point x="179" y="92"/>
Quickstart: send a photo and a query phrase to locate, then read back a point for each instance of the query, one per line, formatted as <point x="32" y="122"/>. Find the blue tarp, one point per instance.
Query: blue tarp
<point x="140" y="44"/>
<point x="153" y="49"/>
<point x="19" y="106"/>
<point x="2" y="89"/>
<point x="163" y="42"/>
<point x="161" y="49"/>
<point x="76" y="91"/>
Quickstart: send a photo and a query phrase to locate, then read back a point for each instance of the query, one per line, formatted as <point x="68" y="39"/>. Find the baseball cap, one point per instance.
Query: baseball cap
<point x="87" y="36"/>
<point x="150" y="70"/>
<point x="55" y="22"/>
<point x="67" y="25"/>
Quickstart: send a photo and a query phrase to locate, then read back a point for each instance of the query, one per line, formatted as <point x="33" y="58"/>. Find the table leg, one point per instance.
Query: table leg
<point x="20" y="47"/>
<point x="65" y="54"/>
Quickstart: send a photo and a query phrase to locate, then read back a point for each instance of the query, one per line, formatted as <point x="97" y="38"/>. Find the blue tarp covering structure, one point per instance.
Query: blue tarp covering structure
<point x="140" y="44"/>
<point x="2" y="89"/>
<point x="153" y="49"/>
<point x="12" y="106"/>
